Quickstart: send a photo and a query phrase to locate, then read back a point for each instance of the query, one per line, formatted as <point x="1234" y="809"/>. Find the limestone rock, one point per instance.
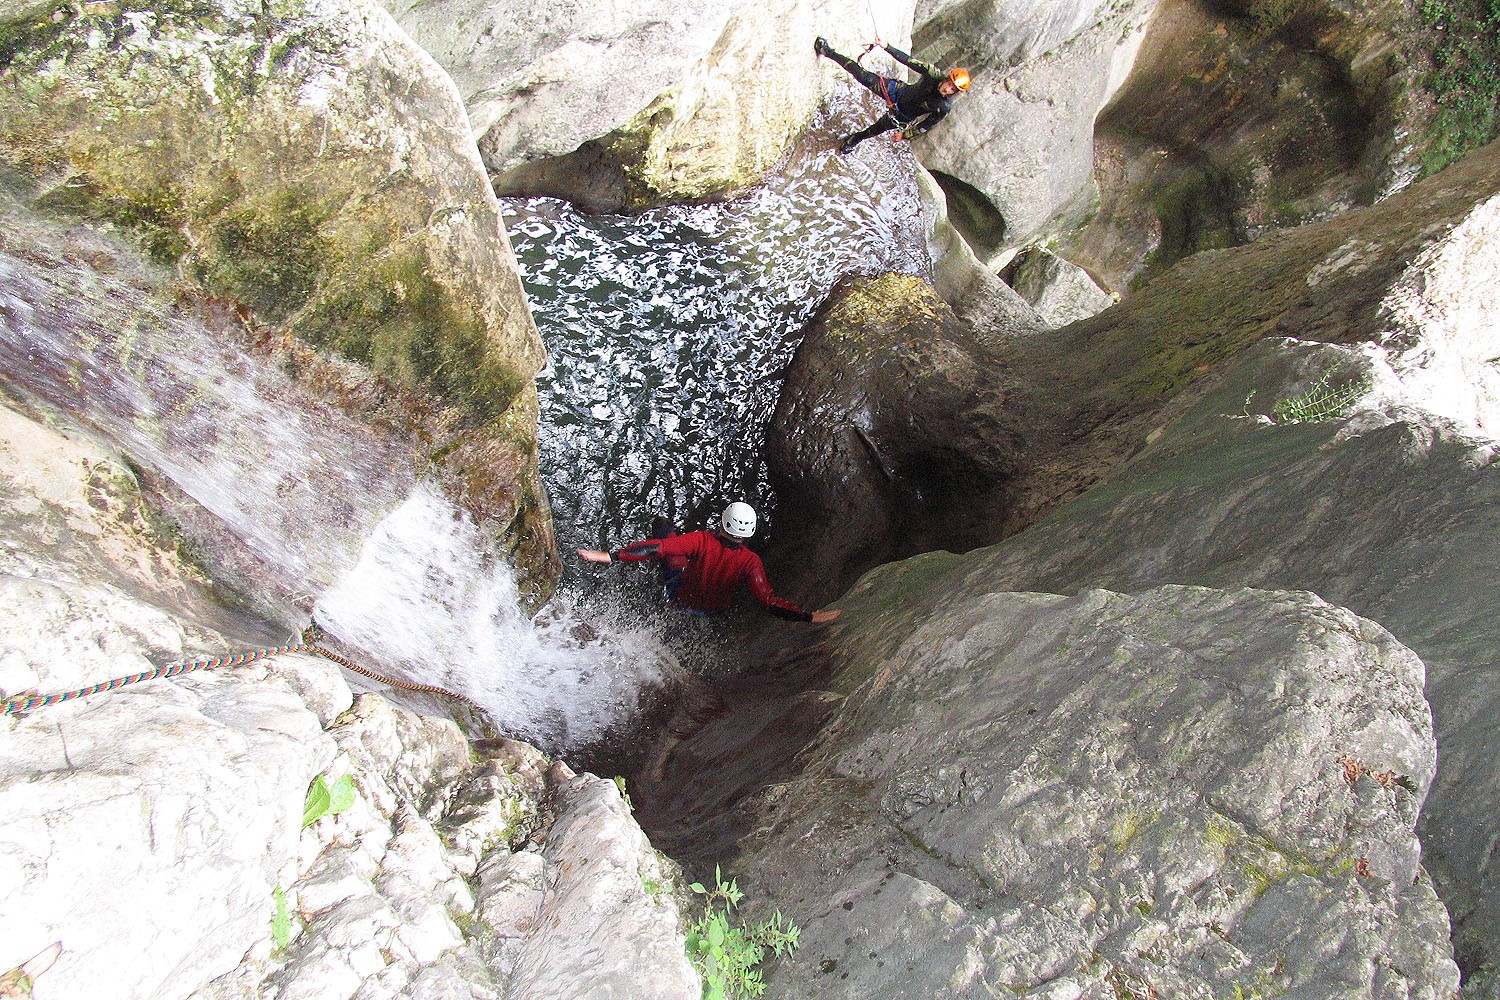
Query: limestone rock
<point x="1385" y="506"/>
<point x="539" y="79"/>
<point x="606" y="872"/>
<point x="310" y="173"/>
<point x="1016" y="156"/>
<point x="155" y="834"/>
<point x="1180" y="791"/>
<point x="1241" y="119"/>
<point x="728" y="119"/>
<point x="1061" y="291"/>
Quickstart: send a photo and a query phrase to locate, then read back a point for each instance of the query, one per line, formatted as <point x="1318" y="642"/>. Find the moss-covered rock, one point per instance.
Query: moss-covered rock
<point x="307" y="163"/>
<point x="895" y="419"/>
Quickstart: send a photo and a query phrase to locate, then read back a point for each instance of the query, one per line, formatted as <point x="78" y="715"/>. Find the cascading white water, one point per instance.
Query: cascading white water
<point x="315" y="502"/>
<point x="440" y="603"/>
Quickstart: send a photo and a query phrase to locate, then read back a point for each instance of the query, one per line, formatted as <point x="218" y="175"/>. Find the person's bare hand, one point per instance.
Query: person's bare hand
<point x="823" y="617"/>
<point x="594" y="555"/>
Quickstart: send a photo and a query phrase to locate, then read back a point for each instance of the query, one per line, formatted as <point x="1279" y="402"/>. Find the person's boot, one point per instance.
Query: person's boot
<point x="847" y="146"/>
<point x="821" y="46"/>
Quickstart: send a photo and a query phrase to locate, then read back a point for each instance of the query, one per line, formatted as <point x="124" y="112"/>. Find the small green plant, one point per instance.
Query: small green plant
<point x="281" y="921"/>
<point x="325" y="801"/>
<point x="726" y="955"/>
<point x="1321" y="402"/>
<point x="1464" y="79"/>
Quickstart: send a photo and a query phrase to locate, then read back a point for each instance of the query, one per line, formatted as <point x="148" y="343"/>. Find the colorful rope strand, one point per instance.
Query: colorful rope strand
<point x="26" y="703"/>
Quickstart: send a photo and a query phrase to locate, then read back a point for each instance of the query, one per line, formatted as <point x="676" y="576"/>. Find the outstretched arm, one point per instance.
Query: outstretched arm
<point x="760" y="588"/>
<point x="651" y="548"/>
<point x="907" y="59"/>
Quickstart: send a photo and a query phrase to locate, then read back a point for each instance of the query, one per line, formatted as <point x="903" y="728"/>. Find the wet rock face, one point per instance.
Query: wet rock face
<point x="1184" y="791"/>
<point x="1239" y="119"/>
<point x="894" y="434"/>
<point x="310" y="172"/>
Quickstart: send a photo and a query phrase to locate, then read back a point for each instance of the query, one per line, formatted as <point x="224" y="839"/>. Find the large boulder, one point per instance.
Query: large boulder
<point x="539" y="79"/>
<point x="308" y="173"/>
<point x="1178" y="792"/>
<point x="722" y="126"/>
<point x="896" y="432"/>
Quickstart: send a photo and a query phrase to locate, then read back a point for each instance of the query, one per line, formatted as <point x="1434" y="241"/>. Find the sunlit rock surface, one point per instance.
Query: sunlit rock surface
<point x="1182" y="791"/>
<point x="148" y="831"/>
<point x="1017" y="153"/>
<point x="733" y="114"/>
<point x="539" y="79"/>
<point x="1061" y="291"/>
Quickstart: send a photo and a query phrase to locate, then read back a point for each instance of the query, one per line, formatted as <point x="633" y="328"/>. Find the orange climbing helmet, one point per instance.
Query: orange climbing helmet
<point x="960" y="78"/>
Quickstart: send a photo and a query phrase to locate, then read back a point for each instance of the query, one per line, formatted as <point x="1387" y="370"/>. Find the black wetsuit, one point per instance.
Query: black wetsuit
<point x="919" y="104"/>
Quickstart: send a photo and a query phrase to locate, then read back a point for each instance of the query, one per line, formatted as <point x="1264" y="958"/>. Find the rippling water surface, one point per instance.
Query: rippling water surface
<point x="667" y="333"/>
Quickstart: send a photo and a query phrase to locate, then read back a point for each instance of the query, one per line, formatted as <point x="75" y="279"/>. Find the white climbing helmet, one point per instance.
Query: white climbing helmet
<point x="738" y="520"/>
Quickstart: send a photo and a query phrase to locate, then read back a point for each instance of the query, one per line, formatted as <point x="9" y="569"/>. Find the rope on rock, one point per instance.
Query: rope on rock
<point x="392" y="681"/>
<point x="26" y="703"/>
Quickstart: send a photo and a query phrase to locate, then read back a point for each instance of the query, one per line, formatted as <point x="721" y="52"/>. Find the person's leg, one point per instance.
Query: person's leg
<point x="874" y="81"/>
<point x="882" y="124"/>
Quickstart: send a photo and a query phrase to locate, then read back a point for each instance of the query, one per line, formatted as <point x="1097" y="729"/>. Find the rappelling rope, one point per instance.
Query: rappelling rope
<point x="404" y="685"/>
<point x="26" y="703"/>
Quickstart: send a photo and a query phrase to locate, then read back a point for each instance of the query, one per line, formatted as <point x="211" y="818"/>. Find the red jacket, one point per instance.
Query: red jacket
<point x="714" y="571"/>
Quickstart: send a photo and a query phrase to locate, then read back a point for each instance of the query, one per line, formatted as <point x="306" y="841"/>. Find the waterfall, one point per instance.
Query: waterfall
<point x="314" y="509"/>
<point x="434" y="596"/>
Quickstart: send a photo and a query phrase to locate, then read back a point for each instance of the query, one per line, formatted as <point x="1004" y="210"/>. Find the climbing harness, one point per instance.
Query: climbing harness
<point x="26" y="703"/>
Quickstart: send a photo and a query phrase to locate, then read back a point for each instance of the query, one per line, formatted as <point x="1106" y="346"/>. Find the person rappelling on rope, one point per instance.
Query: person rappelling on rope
<point x="702" y="570"/>
<point x="911" y="107"/>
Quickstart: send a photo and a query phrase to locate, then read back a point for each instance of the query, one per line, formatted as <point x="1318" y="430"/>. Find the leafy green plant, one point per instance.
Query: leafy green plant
<point x="620" y="784"/>
<point x="1465" y="77"/>
<point x="725" y="954"/>
<point x="1321" y="402"/>
<point x="281" y="921"/>
<point x="325" y="801"/>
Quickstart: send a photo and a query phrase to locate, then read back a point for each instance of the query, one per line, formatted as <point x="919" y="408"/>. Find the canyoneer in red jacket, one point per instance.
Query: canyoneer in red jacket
<point x="703" y="569"/>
